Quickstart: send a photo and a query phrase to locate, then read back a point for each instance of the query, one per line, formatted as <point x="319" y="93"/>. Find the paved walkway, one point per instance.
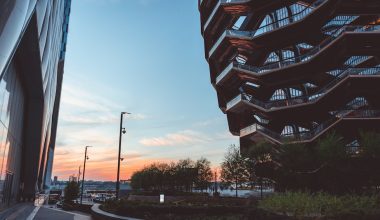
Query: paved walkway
<point x="17" y="212"/>
<point x="28" y="211"/>
<point x="44" y="213"/>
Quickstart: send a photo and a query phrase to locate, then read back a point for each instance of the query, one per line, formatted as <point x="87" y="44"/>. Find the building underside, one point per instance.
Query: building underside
<point x="289" y="71"/>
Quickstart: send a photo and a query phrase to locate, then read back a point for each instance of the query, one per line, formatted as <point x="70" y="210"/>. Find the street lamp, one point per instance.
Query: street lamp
<point x="122" y="131"/>
<point x="84" y="170"/>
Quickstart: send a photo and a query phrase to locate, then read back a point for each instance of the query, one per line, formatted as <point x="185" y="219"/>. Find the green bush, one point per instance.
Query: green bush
<point x="190" y="209"/>
<point x="167" y="193"/>
<point x="301" y="204"/>
<point x="71" y="192"/>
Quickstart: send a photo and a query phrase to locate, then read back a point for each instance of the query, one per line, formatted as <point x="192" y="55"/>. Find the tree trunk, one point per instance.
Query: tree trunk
<point x="236" y="188"/>
<point x="261" y="188"/>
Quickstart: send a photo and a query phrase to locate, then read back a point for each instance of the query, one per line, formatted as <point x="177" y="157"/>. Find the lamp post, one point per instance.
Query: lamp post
<point x="122" y="131"/>
<point x="79" y="173"/>
<point x="84" y="170"/>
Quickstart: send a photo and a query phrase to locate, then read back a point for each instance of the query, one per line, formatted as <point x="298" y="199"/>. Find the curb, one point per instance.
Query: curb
<point x="99" y="214"/>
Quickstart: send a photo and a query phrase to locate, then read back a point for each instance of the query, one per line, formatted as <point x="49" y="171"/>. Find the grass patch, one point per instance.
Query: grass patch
<point x="302" y="204"/>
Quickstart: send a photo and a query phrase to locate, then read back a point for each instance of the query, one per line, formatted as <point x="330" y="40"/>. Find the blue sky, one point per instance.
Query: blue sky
<point x="145" y="57"/>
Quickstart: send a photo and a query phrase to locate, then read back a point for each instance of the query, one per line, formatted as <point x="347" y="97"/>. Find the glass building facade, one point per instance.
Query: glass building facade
<point x="33" y="37"/>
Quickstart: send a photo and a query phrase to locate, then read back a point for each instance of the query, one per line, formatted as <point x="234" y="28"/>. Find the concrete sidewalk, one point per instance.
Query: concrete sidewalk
<point x="28" y="211"/>
<point x="44" y="213"/>
<point x="17" y="212"/>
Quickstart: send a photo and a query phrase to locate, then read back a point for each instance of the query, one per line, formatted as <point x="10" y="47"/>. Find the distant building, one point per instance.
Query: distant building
<point x="55" y="180"/>
<point x="33" y="36"/>
<point x="73" y="179"/>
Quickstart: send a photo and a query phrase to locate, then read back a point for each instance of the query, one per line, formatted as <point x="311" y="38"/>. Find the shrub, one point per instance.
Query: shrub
<point x="71" y="192"/>
<point x="190" y="209"/>
<point x="301" y="204"/>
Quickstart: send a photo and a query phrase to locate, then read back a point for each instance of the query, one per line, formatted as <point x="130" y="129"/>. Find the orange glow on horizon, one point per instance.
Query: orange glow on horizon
<point x="102" y="164"/>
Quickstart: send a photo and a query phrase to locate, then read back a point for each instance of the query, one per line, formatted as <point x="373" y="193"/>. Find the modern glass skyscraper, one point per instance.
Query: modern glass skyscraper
<point x="33" y="36"/>
<point x="291" y="71"/>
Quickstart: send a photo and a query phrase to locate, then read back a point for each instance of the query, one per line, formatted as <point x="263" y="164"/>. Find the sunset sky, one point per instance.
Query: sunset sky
<point x="145" y="57"/>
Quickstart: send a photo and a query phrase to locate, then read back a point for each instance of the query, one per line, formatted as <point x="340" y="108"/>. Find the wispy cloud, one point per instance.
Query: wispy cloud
<point x="82" y="107"/>
<point x="137" y="116"/>
<point x="209" y="122"/>
<point x="174" y="139"/>
<point x="88" y="118"/>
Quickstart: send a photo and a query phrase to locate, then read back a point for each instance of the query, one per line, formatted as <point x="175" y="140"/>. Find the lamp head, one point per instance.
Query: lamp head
<point x="125" y="113"/>
<point x="123" y="130"/>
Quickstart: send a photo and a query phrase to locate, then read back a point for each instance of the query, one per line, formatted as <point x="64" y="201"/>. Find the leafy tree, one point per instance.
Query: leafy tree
<point x="173" y="176"/>
<point x="251" y="171"/>
<point x="170" y="176"/>
<point x="297" y="157"/>
<point x="261" y="152"/>
<point x="205" y="175"/>
<point x="71" y="191"/>
<point x="186" y="174"/>
<point x="136" y="180"/>
<point x="234" y="168"/>
<point x="370" y="144"/>
<point x="331" y="148"/>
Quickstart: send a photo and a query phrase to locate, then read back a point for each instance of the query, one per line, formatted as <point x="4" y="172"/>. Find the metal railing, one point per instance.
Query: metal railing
<point x="324" y="90"/>
<point x="294" y="60"/>
<point x="225" y="72"/>
<point x="234" y="101"/>
<point x="288" y="20"/>
<point x="307" y="56"/>
<point x="263" y="29"/>
<point x="248" y="130"/>
<point x="309" y="135"/>
<point x="305" y="99"/>
<point x="221" y="2"/>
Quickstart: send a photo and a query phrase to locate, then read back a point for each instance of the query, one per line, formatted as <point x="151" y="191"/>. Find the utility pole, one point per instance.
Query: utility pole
<point x="84" y="170"/>
<point x="121" y="132"/>
<point x="78" y="178"/>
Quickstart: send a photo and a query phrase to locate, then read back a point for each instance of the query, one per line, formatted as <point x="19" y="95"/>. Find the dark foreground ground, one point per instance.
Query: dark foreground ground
<point x="27" y="211"/>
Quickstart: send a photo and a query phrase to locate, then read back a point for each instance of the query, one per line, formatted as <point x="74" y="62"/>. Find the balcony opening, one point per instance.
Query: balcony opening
<point x="310" y="85"/>
<point x="261" y="120"/>
<point x="288" y="131"/>
<point x="338" y="22"/>
<point x="357" y="102"/>
<point x="295" y="93"/>
<point x="272" y="58"/>
<point x="355" y="60"/>
<point x="241" y="59"/>
<point x="278" y="95"/>
<point x="239" y="22"/>
<point x="253" y="85"/>
<point x="303" y="130"/>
